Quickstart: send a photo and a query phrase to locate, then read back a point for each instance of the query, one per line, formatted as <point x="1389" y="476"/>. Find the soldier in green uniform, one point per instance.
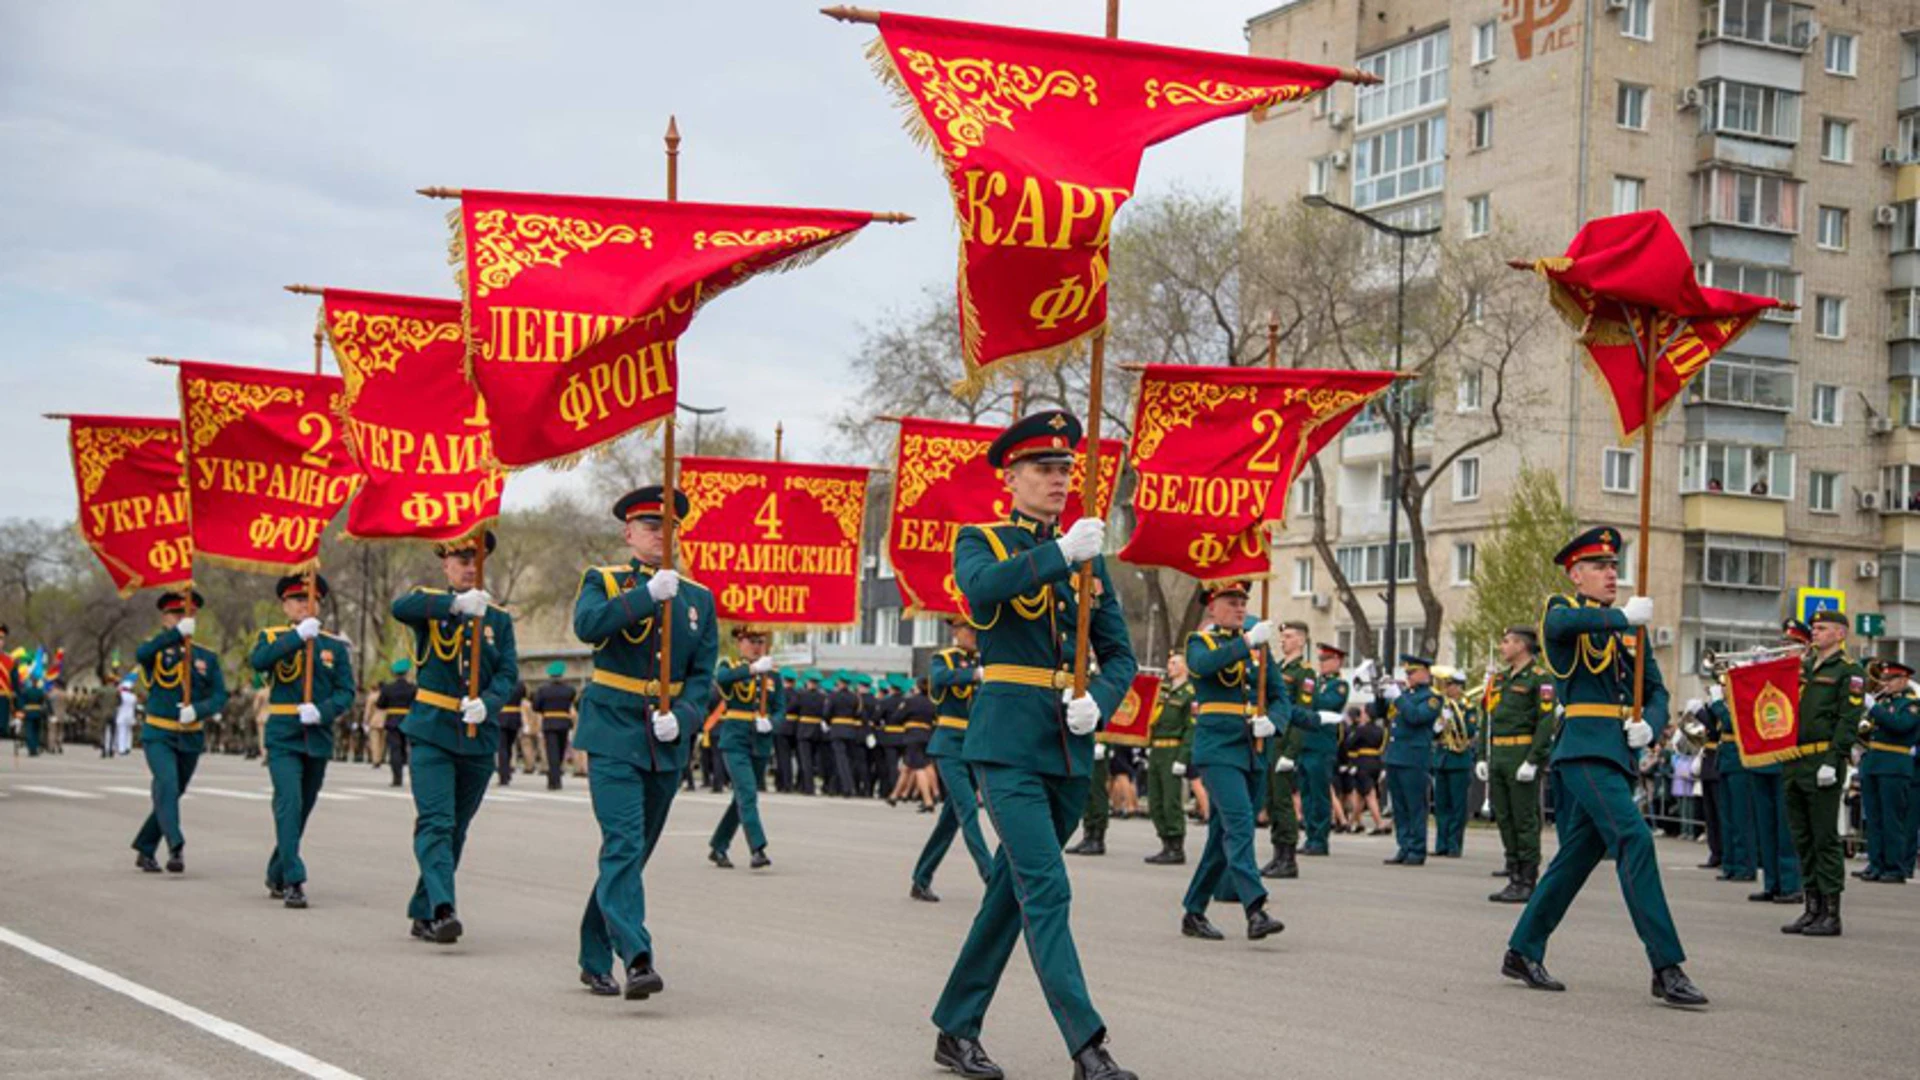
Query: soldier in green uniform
<point x="635" y="750"/>
<point x="1228" y="732"/>
<point x="451" y="734"/>
<point x="1738" y="857"/>
<point x="1521" y="720"/>
<point x="1167" y="735"/>
<point x="1833" y="691"/>
<point x="174" y="732"/>
<point x="1030" y="739"/>
<point x="31" y="702"/>
<point x="1890" y="730"/>
<point x="300" y="717"/>
<point x="1452" y="765"/>
<point x="953" y="676"/>
<point x="751" y="697"/>
<point x="1283" y="751"/>
<point x="1780" y="868"/>
<point x="1593" y="760"/>
<point x="1319" y="746"/>
<point x="1412" y="717"/>
<point x="1099" y="809"/>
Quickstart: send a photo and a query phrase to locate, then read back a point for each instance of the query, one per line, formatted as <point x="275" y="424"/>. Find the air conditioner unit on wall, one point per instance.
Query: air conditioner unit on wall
<point x="1322" y="601"/>
<point x="1891" y="155"/>
<point x="1886" y="215"/>
<point x="1688" y="98"/>
<point x="1616" y="5"/>
<point x="1662" y="636"/>
<point x="1338" y="159"/>
<point x="1867" y="570"/>
<point x="1880" y="425"/>
<point x="1337" y="120"/>
<point x="1869" y="500"/>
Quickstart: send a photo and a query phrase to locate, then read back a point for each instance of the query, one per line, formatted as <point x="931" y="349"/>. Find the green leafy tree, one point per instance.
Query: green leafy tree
<point x="1514" y="572"/>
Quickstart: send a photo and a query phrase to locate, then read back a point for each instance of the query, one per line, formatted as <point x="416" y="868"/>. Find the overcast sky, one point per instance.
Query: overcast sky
<point x="165" y="168"/>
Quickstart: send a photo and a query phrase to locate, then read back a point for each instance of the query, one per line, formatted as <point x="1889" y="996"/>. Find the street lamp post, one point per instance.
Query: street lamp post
<point x="1400" y="236"/>
<point x="699" y="414"/>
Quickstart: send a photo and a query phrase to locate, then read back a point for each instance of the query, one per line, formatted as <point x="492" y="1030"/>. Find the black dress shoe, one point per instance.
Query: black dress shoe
<point x="1790" y="897"/>
<point x="1672" y="986"/>
<point x="921" y="892"/>
<point x="446" y="929"/>
<point x="1313" y="851"/>
<point x="1094" y="1063"/>
<point x="176" y="864"/>
<point x="1748" y="876"/>
<point x="146" y="863"/>
<point x="760" y="860"/>
<point x="642" y="981"/>
<point x="1531" y="972"/>
<point x="599" y="984"/>
<point x="1261" y="925"/>
<point x="719" y="859"/>
<point x="296" y="896"/>
<point x="966" y="1057"/>
<point x="1710" y="864"/>
<point x="1397" y="860"/>
<point x="1195" y="925"/>
<point x="419" y="929"/>
<point x="1417" y="860"/>
<point x="278" y="892"/>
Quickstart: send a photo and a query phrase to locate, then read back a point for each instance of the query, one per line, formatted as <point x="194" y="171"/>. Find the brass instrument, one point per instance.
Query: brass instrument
<point x="1692" y="736"/>
<point x="1453" y="737"/>
<point x="1718" y="664"/>
<point x="1877" y="676"/>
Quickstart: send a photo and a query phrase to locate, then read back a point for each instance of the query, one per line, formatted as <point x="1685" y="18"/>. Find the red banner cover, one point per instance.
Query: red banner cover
<point x="942" y="481"/>
<point x="133" y="498"/>
<point x="266" y="461"/>
<point x="1216" y="450"/>
<point x="1630" y="276"/>
<point x="1764" y="699"/>
<point x="575" y="305"/>
<point x="415" y="427"/>
<point x="777" y="543"/>
<point x="1131" y="723"/>
<point x="1041" y="135"/>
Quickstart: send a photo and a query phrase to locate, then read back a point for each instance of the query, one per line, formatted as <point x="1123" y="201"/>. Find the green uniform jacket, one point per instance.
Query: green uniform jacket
<point x="740" y="696"/>
<point x="952" y="676"/>
<point x="616" y="615"/>
<point x="1409" y="720"/>
<point x="1173" y="713"/>
<point x="1468" y="715"/>
<point x="161" y="675"/>
<point x="279" y="653"/>
<point x="1330" y="694"/>
<point x="1896" y="722"/>
<point x="1223" y="675"/>
<point x="1523" y="710"/>
<point x="1719" y="725"/>
<point x="1019" y="589"/>
<point x="1585" y="650"/>
<point x="442" y="656"/>
<point x="1832" y="703"/>
<point x="1301" y="683"/>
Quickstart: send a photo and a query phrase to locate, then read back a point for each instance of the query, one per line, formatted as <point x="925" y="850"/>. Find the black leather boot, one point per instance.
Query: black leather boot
<point x="1828" y="924"/>
<point x="1168" y="855"/>
<point x="1196" y="925"/>
<point x="1261" y="925"/>
<point x="1289" y="861"/>
<point x="1093" y="841"/>
<point x="1807" y="917"/>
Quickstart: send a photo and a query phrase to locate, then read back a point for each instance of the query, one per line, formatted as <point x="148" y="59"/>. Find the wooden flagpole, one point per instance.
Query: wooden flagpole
<point x="669" y="490"/>
<point x="1649" y="355"/>
<point x="1266" y="583"/>
<point x="313" y="569"/>
<point x="186" y="640"/>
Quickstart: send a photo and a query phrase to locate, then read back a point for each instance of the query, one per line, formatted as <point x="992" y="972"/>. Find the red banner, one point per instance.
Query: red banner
<point x="575" y="305"/>
<point x="941" y="481"/>
<point x="1131" y="723"/>
<point x="1630" y="276"/>
<point x="1216" y="450"/>
<point x="133" y="499"/>
<point x="267" y="463"/>
<point x="416" y="429"/>
<point x="1041" y="135"/>
<point x="1764" y="699"/>
<point x="777" y="543"/>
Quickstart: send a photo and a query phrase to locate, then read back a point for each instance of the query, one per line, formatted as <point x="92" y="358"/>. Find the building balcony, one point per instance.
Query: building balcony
<point x="1728" y="148"/>
<point x="1747" y="515"/>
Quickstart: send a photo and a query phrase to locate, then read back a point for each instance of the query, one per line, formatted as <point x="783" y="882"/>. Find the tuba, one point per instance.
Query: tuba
<point x="1453" y="737"/>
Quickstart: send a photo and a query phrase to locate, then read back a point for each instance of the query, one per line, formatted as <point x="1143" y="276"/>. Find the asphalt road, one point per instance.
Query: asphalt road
<point x="822" y="967"/>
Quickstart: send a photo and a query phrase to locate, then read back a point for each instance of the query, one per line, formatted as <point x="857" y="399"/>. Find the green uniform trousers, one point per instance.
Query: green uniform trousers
<point x="1163" y="794"/>
<point x="1910" y="836"/>
<point x="1450" y="810"/>
<point x="744" y="769"/>
<point x="172" y="771"/>
<point x="32" y="728"/>
<point x="1227" y="870"/>
<point x="1099" y="803"/>
<point x="1283" y="825"/>
<point x="1316" y="797"/>
<point x="1407" y="787"/>
<point x="1027" y="894"/>
<point x="631" y="806"/>
<point x="1735" y="796"/>
<point x="1516" y="808"/>
<point x="1780" y="867"/>
<point x="1885" y="800"/>
<point x="296" y="787"/>
<point x="1813" y="820"/>
<point x="960" y="813"/>
<point x="1596" y="818"/>
<point x="447" y="789"/>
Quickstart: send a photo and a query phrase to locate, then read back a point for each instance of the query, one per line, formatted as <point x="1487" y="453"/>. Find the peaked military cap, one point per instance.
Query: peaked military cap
<point x="1599" y="544"/>
<point x="1240" y="588"/>
<point x="1332" y="650"/>
<point x="648" y="502"/>
<point x="465" y="545"/>
<point x="1795" y="630"/>
<point x="1895" y="667"/>
<point x="177" y="601"/>
<point x="1828" y="615"/>
<point x="1415" y="663"/>
<point x="1049" y="436"/>
<point x="295" y="586"/>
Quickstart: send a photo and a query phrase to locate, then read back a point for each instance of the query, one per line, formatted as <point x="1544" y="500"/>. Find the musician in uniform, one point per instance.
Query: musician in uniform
<point x="750" y="697"/>
<point x="551" y="708"/>
<point x="954" y="674"/>
<point x="1738" y="855"/>
<point x="1780" y="867"/>
<point x="783" y="729"/>
<point x="174" y="733"/>
<point x="513" y="720"/>
<point x="388" y="709"/>
<point x="1453" y="765"/>
<point x="1412" y="717"/>
<point x="1833" y="691"/>
<point x="1521" y="722"/>
<point x="309" y="677"/>
<point x="30" y="699"/>
<point x="1283" y="751"/>
<point x="809" y="708"/>
<point x="1030" y="739"/>
<point x="1890" y="730"/>
<point x="450" y="730"/>
<point x="1585" y="638"/>
<point x="1318" y="747"/>
<point x="1710" y="795"/>
<point x="1167" y="735"/>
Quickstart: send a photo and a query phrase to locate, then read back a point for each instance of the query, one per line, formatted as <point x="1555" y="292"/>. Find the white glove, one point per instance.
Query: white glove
<point x="1329" y="719"/>
<point x="1083" y="540"/>
<point x="1283" y="764"/>
<point x="761" y="666"/>
<point x="187" y="715"/>
<point x="663" y="585"/>
<point x="762" y="725"/>
<point x="185" y="626"/>
<point x="1639" y="735"/>
<point x="473" y="710"/>
<point x="826" y="729"/>
<point x="1866" y="726"/>
<point x="309" y="713"/>
<point x="666" y="726"/>
<point x="1391" y="691"/>
<point x="471" y="603"/>
<point x="1870" y="702"/>
<point x="1263" y="727"/>
<point x="872" y="742"/>
<point x="1714" y="691"/>
<point x="1694" y="705"/>
<point x="1083" y="713"/>
<point x="1826" y="777"/>
<point x="1638" y="610"/>
<point x="1440" y="725"/>
<point x="1179" y="768"/>
<point x="1364" y="673"/>
<point x="308" y="629"/>
<point x="1259" y="634"/>
<point x="1099" y="751"/>
<point x="1480" y="771"/>
<point x="1526" y="772"/>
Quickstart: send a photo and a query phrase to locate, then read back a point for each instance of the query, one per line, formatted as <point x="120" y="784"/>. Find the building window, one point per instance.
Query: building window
<point x="1637" y="20"/>
<point x="1626" y="563"/>
<point x="1630" y="107"/>
<point x="1413" y="77"/>
<point x="1400" y="163"/>
<point x="1486" y="36"/>
<point x="1619" y="470"/>
<point x="1483" y="128"/>
<point x="1759" y="112"/>
<point x="1839" y="54"/>
<point x="1463" y="563"/>
<point x="1366" y="564"/>
<point x="1906" y="226"/>
<point x="1831" y="233"/>
<point x="1319" y="171"/>
<point x="1728" y="562"/>
<point x="1780" y="23"/>
<point x="1477" y="309"/>
<point x="1823" y="492"/>
<point x="1908" y="148"/>
<point x="1303" y="577"/>
<point x="1755" y="200"/>
<point x="1629" y="194"/>
<point x="1748" y="382"/>
<point x="1826" y="406"/>
<point x="1726" y="468"/>
<point x="1836" y="140"/>
<point x="926" y="630"/>
<point x="1305" y="498"/>
<point x="1820" y="573"/>
<point x="1466" y="391"/>
<point x="1759" y="280"/>
<point x="1903" y="315"/>
<point x="1479" y="215"/>
<point x="1830" y="317"/>
<point x="1466" y="479"/>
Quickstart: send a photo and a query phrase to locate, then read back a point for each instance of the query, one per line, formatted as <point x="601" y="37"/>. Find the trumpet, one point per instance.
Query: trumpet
<point x="1877" y="676"/>
<point x="1691" y="737"/>
<point x="1718" y="664"/>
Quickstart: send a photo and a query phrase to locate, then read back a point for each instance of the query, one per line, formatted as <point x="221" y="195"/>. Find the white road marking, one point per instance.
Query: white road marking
<point x="342" y="798"/>
<point x="229" y="793"/>
<point x="383" y="793"/>
<point x="245" y="1038"/>
<point x="64" y="793"/>
<point x="139" y="791"/>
